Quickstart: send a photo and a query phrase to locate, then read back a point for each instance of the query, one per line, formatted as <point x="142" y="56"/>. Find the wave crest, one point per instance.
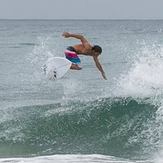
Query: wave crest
<point x="106" y="126"/>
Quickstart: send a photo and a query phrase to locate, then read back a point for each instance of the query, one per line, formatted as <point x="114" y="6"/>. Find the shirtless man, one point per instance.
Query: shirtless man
<point x="85" y="48"/>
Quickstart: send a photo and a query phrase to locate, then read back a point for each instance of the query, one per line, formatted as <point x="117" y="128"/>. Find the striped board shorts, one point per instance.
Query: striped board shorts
<point x="71" y="55"/>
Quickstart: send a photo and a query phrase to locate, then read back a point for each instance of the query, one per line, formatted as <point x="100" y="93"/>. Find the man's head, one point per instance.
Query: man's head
<point x="97" y="50"/>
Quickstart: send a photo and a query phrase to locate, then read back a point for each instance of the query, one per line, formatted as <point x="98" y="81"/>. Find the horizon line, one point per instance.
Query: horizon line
<point x="82" y="19"/>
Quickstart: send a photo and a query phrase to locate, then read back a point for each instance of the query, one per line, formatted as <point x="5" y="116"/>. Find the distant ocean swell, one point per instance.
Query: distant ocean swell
<point x="112" y="126"/>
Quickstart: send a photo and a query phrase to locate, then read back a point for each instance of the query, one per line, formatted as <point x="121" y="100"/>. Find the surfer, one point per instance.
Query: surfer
<point x="85" y="48"/>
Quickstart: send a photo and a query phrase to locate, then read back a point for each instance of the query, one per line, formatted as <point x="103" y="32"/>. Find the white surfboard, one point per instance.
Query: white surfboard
<point x="56" y="67"/>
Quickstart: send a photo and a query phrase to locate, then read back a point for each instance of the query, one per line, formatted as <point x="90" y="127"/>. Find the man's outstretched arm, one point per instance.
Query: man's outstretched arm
<point x="98" y="65"/>
<point x="77" y="36"/>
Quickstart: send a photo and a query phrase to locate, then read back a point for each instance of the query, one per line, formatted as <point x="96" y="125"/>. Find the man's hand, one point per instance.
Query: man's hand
<point x="103" y="75"/>
<point x="66" y="34"/>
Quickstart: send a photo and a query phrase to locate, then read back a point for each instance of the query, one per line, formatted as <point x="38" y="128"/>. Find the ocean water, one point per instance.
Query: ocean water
<point x="81" y="117"/>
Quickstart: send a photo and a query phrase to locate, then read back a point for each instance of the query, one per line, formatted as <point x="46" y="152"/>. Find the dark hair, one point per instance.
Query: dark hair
<point x="97" y="48"/>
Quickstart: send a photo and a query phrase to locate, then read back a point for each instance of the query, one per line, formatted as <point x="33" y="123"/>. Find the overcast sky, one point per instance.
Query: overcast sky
<point x="81" y="9"/>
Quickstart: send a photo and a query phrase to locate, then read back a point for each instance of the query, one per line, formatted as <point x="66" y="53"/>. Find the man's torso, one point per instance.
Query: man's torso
<point x="81" y="50"/>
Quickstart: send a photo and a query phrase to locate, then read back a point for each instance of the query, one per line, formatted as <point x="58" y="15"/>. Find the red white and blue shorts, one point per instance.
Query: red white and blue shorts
<point x="71" y="55"/>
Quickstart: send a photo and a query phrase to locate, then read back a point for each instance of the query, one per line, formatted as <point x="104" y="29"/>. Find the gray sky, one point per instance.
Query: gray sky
<point x="81" y="9"/>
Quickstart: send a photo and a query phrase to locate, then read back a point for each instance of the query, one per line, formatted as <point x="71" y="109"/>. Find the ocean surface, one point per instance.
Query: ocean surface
<point x="81" y="117"/>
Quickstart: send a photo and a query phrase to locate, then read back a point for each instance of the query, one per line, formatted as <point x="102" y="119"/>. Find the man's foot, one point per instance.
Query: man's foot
<point x="75" y="67"/>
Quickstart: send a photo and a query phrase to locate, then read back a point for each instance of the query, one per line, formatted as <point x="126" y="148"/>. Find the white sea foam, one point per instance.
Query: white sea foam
<point x="145" y="77"/>
<point x="95" y="158"/>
